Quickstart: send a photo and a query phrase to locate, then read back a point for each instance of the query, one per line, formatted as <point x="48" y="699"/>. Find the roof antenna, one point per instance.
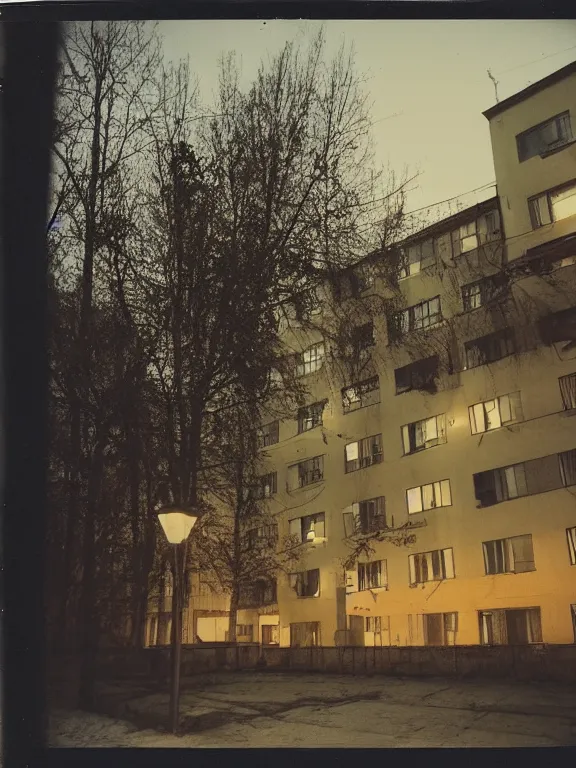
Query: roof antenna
<point x="491" y="76"/>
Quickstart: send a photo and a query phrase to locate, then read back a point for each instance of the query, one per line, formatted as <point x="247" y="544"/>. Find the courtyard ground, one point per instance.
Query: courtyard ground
<point x="310" y="710"/>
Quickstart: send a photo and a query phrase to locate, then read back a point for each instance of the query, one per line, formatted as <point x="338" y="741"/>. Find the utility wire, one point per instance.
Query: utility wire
<point x="535" y="61"/>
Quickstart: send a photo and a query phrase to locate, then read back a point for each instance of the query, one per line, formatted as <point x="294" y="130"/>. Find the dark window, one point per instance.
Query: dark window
<point x="480" y="292"/>
<point x="310" y="471"/>
<point x="245" y="631"/>
<point x="372" y="575"/>
<point x="372" y="515"/>
<point x="489" y="348"/>
<point x="544" y="137"/>
<point x="559" y="326"/>
<point x="568" y="391"/>
<point x="266" y="535"/>
<point x="310" y="416"/>
<point x="266" y="486"/>
<point x="514" y="555"/>
<point x="360" y="395"/>
<point x="305" y="634"/>
<point x="500" y="484"/>
<point x="306" y="583"/>
<point x="440" y="628"/>
<point x="362" y="338"/>
<point x="517" y="626"/>
<point x="363" y="453"/>
<point x="421" y="375"/>
<point x="268" y="434"/>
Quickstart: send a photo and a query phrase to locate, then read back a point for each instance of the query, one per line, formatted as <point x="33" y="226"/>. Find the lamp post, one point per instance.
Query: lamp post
<point x="176" y="522"/>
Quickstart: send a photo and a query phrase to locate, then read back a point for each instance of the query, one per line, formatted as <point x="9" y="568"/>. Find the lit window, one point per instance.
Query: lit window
<point x="423" y="434"/>
<point x="310" y="416"/>
<point x="420" y="316"/>
<point x="430" y="496"/>
<point x="431" y="566"/>
<point x="310" y="360"/>
<point x="363" y="453"/>
<point x="491" y="414"/>
<point x="553" y="205"/>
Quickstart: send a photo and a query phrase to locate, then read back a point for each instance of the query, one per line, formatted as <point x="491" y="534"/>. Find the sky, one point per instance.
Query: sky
<point x="427" y="80"/>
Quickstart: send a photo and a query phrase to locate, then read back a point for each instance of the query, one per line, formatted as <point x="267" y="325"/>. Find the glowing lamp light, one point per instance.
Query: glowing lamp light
<point x="176" y="523"/>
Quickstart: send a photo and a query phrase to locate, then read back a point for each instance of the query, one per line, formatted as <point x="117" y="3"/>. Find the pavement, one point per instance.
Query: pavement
<point x="248" y="709"/>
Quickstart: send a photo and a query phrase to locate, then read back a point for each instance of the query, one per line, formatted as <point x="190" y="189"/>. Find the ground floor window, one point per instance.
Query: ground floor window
<point x="440" y="628"/>
<point x="377" y="630"/>
<point x="270" y="634"/>
<point x="511" y="626"/>
<point x="244" y="631"/>
<point x="305" y="634"/>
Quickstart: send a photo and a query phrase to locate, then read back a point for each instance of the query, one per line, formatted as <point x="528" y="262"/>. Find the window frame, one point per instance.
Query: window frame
<point x="364" y="451"/>
<point x="300" y="579"/>
<point x="316" y="359"/>
<point x="514" y="407"/>
<point x="410" y="430"/>
<point x="415" y="369"/>
<point x="441" y="490"/>
<point x="259" y="489"/>
<point x="304" y="530"/>
<point x="320" y="405"/>
<point x="314" y="470"/>
<point x="535" y="203"/>
<point x="507" y="555"/>
<point x="523" y="156"/>
<point x="441" y="562"/>
<point x="379" y="506"/>
<point x="406" y="265"/>
<point x="360" y="390"/>
<point x="365" y="575"/>
<point x="263" y="435"/>
<point x="507" y="338"/>
<point x="568" y="391"/>
<point x="408" y="321"/>
<point x="571" y="540"/>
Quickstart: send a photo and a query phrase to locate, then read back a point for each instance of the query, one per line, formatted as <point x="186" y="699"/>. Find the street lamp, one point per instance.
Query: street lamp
<point x="176" y="522"/>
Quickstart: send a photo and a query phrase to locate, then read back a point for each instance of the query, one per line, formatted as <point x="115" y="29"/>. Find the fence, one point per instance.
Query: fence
<point x="555" y="663"/>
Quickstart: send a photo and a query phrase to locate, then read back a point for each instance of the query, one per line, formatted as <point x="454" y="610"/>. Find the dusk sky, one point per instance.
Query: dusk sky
<point x="427" y="80"/>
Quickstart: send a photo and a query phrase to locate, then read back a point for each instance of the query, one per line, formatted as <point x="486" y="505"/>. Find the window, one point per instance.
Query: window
<point x="546" y="473"/>
<point x="268" y="434"/>
<point x="492" y="226"/>
<point x="489" y="348"/>
<point x="573" y="612"/>
<point x="305" y="634"/>
<point x="465" y="238"/>
<point x="431" y="566"/>
<point x="310" y="360"/>
<point x="310" y="471"/>
<point x="306" y="583"/>
<point x="372" y="575"/>
<point x="365" y="517"/>
<point x="307" y="304"/>
<point x="265" y="534"/>
<point x="363" y="453"/>
<point x="266" y="486"/>
<point x="491" y="414"/>
<point x="514" y="555"/>
<point x="553" y="205"/>
<point x="310" y="416"/>
<point x="429" y="496"/>
<point x="424" y="434"/>
<point x="362" y="338"/>
<point x="500" y="484"/>
<point x="440" y="628"/>
<point x="373" y="624"/>
<point x="416" y="257"/>
<point x="558" y="327"/>
<point x="308" y="528"/>
<point x="544" y="137"/>
<point x="360" y="395"/>
<point x="420" y="316"/>
<point x="245" y="631"/>
<point x="568" y="391"/>
<point x="479" y="293"/>
<point x="571" y="536"/>
<point x="516" y="626"/>
<point x="372" y="515"/>
<point x="258" y="594"/>
<point x="420" y="375"/>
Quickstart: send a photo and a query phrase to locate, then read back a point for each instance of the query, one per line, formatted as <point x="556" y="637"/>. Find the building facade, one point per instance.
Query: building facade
<point x="431" y="476"/>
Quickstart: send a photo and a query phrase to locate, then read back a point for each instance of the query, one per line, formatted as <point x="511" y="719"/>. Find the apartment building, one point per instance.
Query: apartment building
<point x="447" y="414"/>
<point x="459" y="425"/>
